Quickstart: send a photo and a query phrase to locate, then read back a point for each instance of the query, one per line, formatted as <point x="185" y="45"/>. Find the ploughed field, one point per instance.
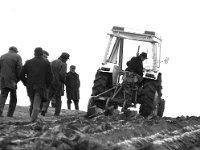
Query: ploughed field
<point x="73" y="131"/>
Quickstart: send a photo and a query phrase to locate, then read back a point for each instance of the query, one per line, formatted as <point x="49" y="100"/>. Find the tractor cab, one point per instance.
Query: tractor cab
<point x="124" y="44"/>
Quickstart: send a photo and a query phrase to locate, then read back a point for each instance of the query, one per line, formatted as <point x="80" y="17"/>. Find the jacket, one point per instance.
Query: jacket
<point x="135" y="65"/>
<point x="59" y="70"/>
<point x="72" y="85"/>
<point x="10" y="67"/>
<point x="36" y="75"/>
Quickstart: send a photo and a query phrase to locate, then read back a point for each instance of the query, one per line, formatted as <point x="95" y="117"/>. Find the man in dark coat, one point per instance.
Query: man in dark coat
<point x="36" y="75"/>
<point x="72" y="87"/>
<point x="59" y="69"/>
<point x="136" y="64"/>
<point x="10" y="67"/>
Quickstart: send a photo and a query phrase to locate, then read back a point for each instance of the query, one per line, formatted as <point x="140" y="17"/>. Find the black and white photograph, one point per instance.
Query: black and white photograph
<point x="99" y="75"/>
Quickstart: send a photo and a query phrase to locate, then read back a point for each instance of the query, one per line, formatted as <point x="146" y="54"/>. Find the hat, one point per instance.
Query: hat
<point x="38" y="51"/>
<point x="65" y="55"/>
<point x="144" y="55"/>
<point x="73" y="67"/>
<point x="45" y="52"/>
<point x="14" y="49"/>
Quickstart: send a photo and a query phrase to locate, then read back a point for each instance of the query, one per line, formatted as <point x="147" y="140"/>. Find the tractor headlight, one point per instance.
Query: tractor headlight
<point x="149" y="75"/>
<point x="105" y="69"/>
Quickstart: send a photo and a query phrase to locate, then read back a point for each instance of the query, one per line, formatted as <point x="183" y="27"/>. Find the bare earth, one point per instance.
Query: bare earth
<point x="73" y="131"/>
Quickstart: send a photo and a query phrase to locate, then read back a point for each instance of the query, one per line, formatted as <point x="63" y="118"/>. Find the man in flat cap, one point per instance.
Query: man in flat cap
<point x="59" y="70"/>
<point x="36" y="75"/>
<point x="136" y="64"/>
<point x="10" y="67"/>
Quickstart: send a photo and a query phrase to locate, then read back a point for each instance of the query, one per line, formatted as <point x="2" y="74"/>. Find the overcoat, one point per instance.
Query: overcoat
<point x="59" y="70"/>
<point x="72" y="86"/>
<point x="36" y="75"/>
<point x="10" y="67"/>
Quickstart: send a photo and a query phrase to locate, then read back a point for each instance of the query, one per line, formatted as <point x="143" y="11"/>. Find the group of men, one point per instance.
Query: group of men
<point x="44" y="81"/>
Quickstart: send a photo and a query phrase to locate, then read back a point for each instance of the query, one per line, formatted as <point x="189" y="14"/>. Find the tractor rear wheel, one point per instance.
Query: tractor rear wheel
<point x="148" y="96"/>
<point x="161" y="108"/>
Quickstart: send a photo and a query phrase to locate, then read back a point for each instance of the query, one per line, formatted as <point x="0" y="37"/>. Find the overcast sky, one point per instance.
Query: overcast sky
<point x="79" y="27"/>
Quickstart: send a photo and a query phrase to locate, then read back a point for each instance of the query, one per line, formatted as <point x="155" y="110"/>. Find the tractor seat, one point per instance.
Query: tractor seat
<point x="131" y="77"/>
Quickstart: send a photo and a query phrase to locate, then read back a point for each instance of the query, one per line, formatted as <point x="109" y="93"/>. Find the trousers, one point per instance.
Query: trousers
<point x="12" y="103"/>
<point x="35" y="106"/>
<point x="69" y="101"/>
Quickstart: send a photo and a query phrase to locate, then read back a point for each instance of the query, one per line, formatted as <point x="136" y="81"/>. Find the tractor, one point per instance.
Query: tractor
<point x="115" y="87"/>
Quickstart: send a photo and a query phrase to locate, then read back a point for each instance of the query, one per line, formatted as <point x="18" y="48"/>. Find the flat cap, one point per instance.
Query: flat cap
<point x="45" y="52"/>
<point x="144" y="55"/>
<point x="73" y="67"/>
<point x="38" y="51"/>
<point x="14" y="49"/>
<point x="65" y="55"/>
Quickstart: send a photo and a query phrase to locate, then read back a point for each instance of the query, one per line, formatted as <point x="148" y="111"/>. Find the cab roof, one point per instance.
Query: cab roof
<point x="125" y="33"/>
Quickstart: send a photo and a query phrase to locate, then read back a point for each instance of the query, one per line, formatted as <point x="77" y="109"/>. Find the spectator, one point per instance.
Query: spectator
<point x="36" y="75"/>
<point x="59" y="69"/>
<point x="10" y="67"/>
<point x="72" y="87"/>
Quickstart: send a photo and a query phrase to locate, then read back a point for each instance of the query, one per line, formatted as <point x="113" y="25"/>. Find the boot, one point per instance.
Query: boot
<point x="69" y="106"/>
<point x="76" y="106"/>
<point x="58" y="107"/>
<point x="53" y="104"/>
<point x="9" y="115"/>
<point x="30" y="110"/>
<point x="43" y="113"/>
<point x="1" y="113"/>
<point x="34" y="115"/>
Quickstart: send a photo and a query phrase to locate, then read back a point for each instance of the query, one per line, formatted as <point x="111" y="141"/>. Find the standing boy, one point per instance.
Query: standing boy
<point x="72" y="87"/>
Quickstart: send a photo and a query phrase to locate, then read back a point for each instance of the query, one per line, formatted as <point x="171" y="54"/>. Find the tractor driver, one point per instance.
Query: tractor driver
<point x="136" y="64"/>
